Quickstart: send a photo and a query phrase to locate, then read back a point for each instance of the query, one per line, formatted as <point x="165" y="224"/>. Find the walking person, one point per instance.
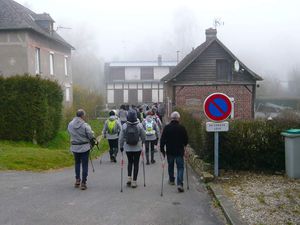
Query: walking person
<point x="152" y="135"/>
<point x="175" y="138"/>
<point x="131" y="140"/>
<point x="122" y="114"/>
<point x="111" y="131"/>
<point x="81" y="137"/>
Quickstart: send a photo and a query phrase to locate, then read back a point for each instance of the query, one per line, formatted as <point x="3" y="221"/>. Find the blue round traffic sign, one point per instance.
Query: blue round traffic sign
<point x="217" y="107"/>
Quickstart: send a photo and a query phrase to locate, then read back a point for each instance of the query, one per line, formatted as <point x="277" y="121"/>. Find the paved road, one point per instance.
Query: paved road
<point x="50" y="199"/>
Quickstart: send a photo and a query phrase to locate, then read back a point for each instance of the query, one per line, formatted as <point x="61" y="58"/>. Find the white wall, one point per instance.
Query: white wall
<point x="132" y="73"/>
<point x="110" y="96"/>
<point x="160" y="72"/>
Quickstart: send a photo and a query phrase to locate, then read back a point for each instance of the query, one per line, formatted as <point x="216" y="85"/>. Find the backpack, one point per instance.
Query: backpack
<point x="111" y="126"/>
<point x="149" y="127"/>
<point x="132" y="134"/>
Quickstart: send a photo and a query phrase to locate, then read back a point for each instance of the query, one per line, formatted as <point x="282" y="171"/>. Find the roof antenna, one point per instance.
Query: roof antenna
<point x="218" y="22"/>
<point x="61" y="27"/>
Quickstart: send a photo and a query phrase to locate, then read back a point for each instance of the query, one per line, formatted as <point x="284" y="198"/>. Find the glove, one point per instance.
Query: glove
<point x="121" y="149"/>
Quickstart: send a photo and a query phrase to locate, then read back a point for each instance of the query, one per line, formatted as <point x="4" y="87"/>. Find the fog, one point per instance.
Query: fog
<point x="263" y="34"/>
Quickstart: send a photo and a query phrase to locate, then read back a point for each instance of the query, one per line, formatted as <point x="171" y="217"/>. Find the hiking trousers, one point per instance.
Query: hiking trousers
<point x="133" y="160"/>
<point x="81" y="159"/>
<point x="180" y="168"/>
<point x="113" y="147"/>
<point x="150" y="146"/>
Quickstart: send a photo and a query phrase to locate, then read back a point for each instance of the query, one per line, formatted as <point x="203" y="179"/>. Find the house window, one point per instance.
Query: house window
<point x="51" y="63"/>
<point x="125" y="96"/>
<point x="223" y="70"/>
<point x="66" y="65"/>
<point x="140" y="96"/>
<point x="161" y="95"/>
<point x="132" y="73"/>
<point x="37" y="61"/>
<point x="67" y="94"/>
<point x="154" y="95"/>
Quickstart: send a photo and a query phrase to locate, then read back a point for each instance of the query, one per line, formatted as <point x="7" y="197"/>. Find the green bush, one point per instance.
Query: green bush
<point x="194" y="129"/>
<point x="249" y="145"/>
<point x="30" y="110"/>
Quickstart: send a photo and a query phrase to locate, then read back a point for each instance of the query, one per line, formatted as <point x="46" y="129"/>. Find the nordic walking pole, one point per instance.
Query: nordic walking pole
<point x="92" y="162"/>
<point x="163" y="170"/>
<point x="186" y="168"/>
<point x="100" y="137"/>
<point x="122" y="163"/>
<point x="144" y="167"/>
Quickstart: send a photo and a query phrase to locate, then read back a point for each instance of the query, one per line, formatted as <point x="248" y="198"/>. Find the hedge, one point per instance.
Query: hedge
<point x="249" y="145"/>
<point x="31" y="108"/>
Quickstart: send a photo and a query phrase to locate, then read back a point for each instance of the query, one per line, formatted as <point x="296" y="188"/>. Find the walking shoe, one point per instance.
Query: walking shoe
<point x="83" y="186"/>
<point x="113" y="159"/>
<point x="171" y="182"/>
<point x="133" y="184"/>
<point x="129" y="182"/>
<point x="77" y="183"/>
<point x="153" y="161"/>
<point x="147" y="163"/>
<point x="180" y="188"/>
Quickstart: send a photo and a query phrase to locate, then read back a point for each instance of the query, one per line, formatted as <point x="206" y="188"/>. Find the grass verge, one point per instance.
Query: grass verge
<point x="54" y="155"/>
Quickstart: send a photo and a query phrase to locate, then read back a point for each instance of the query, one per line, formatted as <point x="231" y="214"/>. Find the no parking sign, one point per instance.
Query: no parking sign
<point x="217" y="107"/>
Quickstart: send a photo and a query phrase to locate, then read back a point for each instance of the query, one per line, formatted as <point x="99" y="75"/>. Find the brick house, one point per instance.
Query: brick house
<point x="29" y="44"/>
<point x="135" y="82"/>
<point x="210" y="68"/>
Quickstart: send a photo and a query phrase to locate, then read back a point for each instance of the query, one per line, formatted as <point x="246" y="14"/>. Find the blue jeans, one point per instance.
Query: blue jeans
<point x="81" y="158"/>
<point x="180" y="168"/>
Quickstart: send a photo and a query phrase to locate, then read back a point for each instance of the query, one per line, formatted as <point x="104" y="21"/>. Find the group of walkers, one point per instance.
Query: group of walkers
<point x="128" y="130"/>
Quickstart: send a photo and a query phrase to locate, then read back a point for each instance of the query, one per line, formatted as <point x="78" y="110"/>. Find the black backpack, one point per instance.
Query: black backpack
<point x="132" y="134"/>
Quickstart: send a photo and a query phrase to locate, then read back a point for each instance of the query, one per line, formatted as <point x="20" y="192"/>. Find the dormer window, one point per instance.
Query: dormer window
<point x="224" y="72"/>
<point x="44" y="21"/>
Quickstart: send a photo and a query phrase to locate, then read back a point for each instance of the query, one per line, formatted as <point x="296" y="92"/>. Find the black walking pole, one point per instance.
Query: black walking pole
<point x="144" y="167"/>
<point x="186" y="168"/>
<point x="122" y="163"/>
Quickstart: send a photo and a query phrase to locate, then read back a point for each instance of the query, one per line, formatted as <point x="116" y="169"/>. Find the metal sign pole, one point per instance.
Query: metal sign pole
<point x="216" y="154"/>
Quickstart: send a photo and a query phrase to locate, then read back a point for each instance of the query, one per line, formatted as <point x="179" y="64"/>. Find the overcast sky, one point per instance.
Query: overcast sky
<point x="264" y="34"/>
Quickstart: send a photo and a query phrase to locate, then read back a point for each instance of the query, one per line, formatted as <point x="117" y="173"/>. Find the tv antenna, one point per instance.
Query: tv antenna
<point x="218" y="22"/>
<point x="61" y="27"/>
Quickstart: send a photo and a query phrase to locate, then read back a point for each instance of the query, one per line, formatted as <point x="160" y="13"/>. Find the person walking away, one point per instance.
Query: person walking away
<point x="122" y="114"/>
<point x="131" y="140"/>
<point x="81" y="136"/>
<point x="175" y="138"/>
<point x="111" y="131"/>
<point x="152" y="135"/>
<point x="141" y="116"/>
<point x="161" y="111"/>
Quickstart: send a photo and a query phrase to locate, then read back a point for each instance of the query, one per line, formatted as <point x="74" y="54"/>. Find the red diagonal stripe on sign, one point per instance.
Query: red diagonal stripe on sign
<point x="218" y="107"/>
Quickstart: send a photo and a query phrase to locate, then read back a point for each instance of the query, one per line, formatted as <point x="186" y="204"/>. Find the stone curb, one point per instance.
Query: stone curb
<point x="227" y="207"/>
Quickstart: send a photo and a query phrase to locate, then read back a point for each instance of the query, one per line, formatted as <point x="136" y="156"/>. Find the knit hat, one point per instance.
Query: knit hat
<point x="132" y="116"/>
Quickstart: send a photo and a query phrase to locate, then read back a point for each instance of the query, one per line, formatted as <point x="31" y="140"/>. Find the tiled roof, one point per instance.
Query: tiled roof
<point x="14" y="16"/>
<point x="193" y="55"/>
<point x="142" y="63"/>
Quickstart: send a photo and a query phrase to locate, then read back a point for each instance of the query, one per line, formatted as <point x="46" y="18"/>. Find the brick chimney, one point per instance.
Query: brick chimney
<point x="210" y="34"/>
<point x="159" y="60"/>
